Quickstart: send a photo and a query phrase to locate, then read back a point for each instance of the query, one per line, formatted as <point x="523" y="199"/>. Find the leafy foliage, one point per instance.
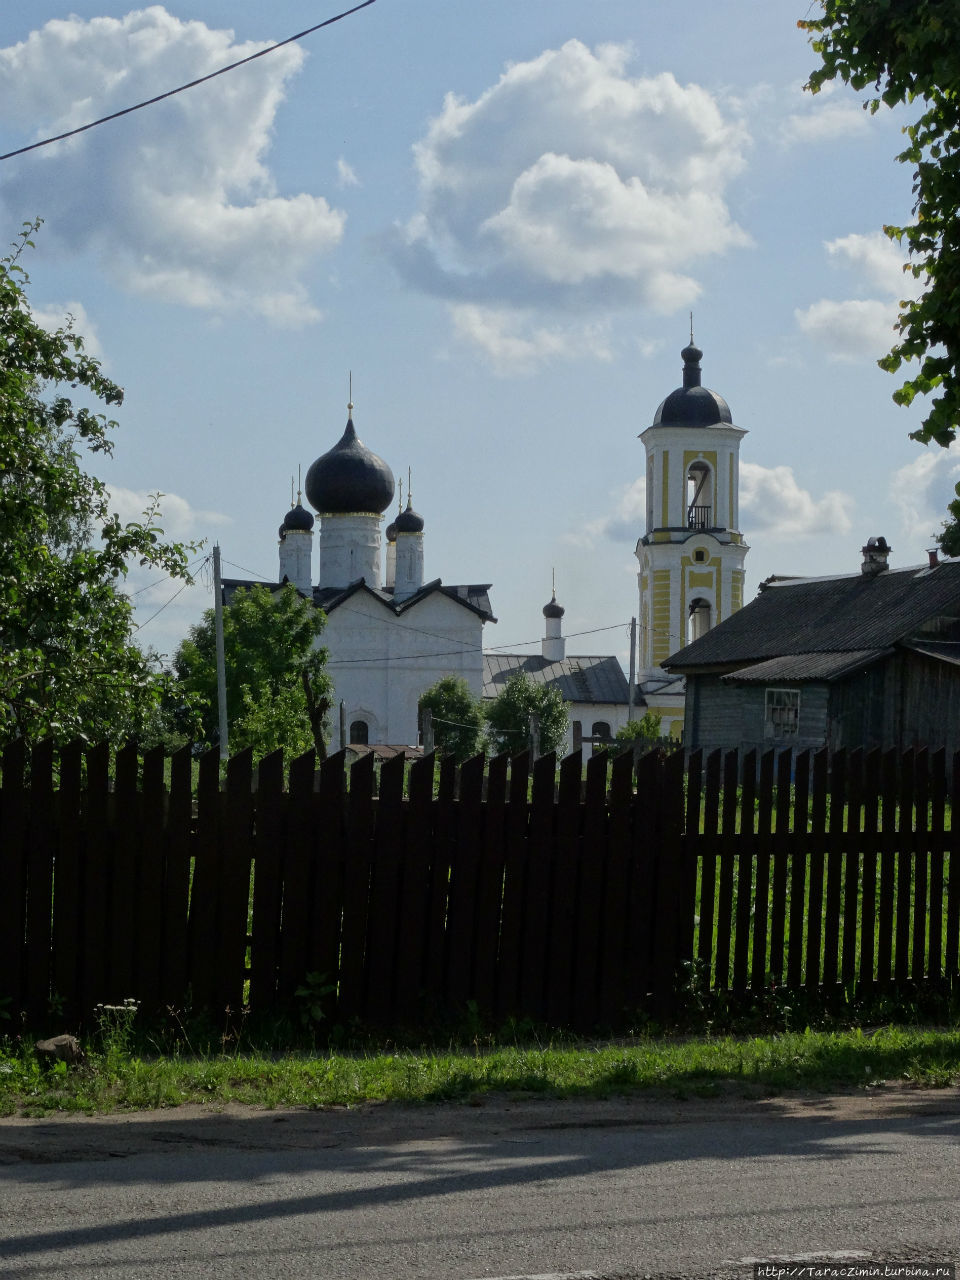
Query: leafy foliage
<point x="68" y="666"/>
<point x="457" y="718"/>
<point x="275" y="673"/>
<point x="908" y="51"/>
<point x="646" y="729"/>
<point x="508" y="716"/>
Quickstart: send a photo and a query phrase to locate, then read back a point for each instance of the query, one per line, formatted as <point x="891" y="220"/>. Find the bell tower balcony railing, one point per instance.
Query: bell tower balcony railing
<point x="698" y="517"/>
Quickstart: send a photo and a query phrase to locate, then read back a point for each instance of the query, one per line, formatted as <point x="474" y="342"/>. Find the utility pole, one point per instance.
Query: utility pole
<point x="633" y="667"/>
<point x="221" y="664"/>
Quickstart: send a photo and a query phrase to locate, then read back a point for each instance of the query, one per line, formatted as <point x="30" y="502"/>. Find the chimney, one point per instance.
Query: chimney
<point x="933" y="557"/>
<point x="875" y="555"/>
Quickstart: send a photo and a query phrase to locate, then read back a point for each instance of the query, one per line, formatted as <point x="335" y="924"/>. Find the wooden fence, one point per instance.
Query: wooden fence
<point x="567" y="895"/>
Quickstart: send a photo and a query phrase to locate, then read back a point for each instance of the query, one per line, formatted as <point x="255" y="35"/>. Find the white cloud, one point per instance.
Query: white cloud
<point x="773" y="503"/>
<point x="922" y="489"/>
<point x="177" y="517"/>
<point x="861" y="327"/>
<point x="569" y="185"/>
<point x="513" y="343"/>
<point x="625" y="521"/>
<point x="177" y="200"/>
<point x="72" y="315"/>
<point x="824" y="120"/>
<point x="346" y="177"/>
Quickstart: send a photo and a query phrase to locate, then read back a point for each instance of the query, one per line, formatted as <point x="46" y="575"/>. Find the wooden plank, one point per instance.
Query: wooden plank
<point x="643" y="897"/>
<point x="177" y="881"/>
<point x="617" y="887"/>
<point x="269" y="842"/>
<point x="67" y="951"/>
<point x="918" y="859"/>
<point x="415" y="890"/>
<point x="235" y="904"/>
<point x="356" y="888"/>
<point x="746" y="856"/>
<point x="441" y="860"/>
<point x="97" y="879"/>
<point x="727" y="861"/>
<point x="852" y="871"/>
<point x="593" y="859"/>
<point x="888" y="855"/>
<point x="464" y="884"/>
<point x="539" y="890"/>
<point x="514" y="887"/>
<point x="815" y="861"/>
<point x="901" y="959"/>
<point x="40" y="855"/>
<point x="868" y="902"/>
<point x="798" y="872"/>
<point x="781" y="866"/>
<point x="297" y="886"/>
<point x="205" y="892"/>
<point x="672" y="929"/>
<point x="691" y="855"/>
<point x="709" y="871"/>
<point x="952" y="957"/>
<point x="382" y="919"/>
<point x="761" y="896"/>
<point x="938" y="795"/>
<point x="322" y="844"/>
<point x="122" y="977"/>
<point x="148" y="943"/>
<point x="13" y="875"/>
<point x="563" y="955"/>
<point x="836" y="844"/>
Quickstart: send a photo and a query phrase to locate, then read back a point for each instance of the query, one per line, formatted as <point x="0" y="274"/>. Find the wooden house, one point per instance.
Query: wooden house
<point x="863" y="660"/>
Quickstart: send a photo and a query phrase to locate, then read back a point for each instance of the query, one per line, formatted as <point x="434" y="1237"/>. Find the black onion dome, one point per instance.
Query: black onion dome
<point x="408" y="521"/>
<point x="298" y="519"/>
<point x="553" y="610"/>
<point x="349" y="478"/>
<point x="692" y="405"/>
<point x="391" y="534"/>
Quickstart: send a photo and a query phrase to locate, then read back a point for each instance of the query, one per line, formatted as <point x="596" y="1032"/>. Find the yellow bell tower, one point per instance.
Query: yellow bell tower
<point x="691" y="553"/>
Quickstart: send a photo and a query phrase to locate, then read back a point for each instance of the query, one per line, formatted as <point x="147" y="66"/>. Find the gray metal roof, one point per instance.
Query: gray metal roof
<point x="578" y="679"/>
<point x="806" y="666"/>
<point x="947" y="651"/>
<point x="474" y="596"/>
<point x="830" y="615"/>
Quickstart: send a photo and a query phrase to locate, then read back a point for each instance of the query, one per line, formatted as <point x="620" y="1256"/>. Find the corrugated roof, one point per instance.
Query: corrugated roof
<point x="577" y="679"/>
<point x="806" y="666"/>
<point x="946" y="651"/>
<point x="828" y="615"/>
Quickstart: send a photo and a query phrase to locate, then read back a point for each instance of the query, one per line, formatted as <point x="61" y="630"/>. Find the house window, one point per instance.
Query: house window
<point x="359" y="733"/>
<point x="699" y="556"/>
<point x="782" y="713"/>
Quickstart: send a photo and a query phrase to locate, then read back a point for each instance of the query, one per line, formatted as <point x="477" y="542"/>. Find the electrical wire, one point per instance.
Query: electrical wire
<point x="166" y="576"/>
<point x="148" y="102"/>
<point x="183" y="586"/>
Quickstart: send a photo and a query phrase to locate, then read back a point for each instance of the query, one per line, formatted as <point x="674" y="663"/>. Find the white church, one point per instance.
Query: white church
<point x="390" y="635"/>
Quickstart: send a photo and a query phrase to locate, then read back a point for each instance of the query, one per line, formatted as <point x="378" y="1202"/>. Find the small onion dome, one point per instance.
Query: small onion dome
<point x="297" y="520"/>
<point x="408" y="521"/>
<point x="692" y="405"/>
<point x="349" y="478"/>
<point x="553" y="610"/>
<point x="391" y="534"/>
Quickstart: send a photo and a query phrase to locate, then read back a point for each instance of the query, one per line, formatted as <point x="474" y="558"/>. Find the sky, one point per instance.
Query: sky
<point x="497" y="217"/>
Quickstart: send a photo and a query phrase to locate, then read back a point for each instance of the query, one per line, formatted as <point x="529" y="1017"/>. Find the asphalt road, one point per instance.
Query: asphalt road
<point x="525" y="1188"/>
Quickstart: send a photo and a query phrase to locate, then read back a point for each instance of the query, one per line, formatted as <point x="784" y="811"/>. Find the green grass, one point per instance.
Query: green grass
<point x="116" y="1079"/>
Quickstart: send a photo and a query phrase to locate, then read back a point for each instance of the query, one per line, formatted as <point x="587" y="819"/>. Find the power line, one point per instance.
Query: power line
<point x="148" y="102"/>
<point x="183" y="586"/>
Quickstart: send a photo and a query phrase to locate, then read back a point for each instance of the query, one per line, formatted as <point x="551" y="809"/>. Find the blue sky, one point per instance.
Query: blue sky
<point x="498" y="216"/>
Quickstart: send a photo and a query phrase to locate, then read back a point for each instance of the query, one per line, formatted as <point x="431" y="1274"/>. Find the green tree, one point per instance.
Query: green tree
<point x="278" y="691"/>
<point x="508" y="715"/>
<point x="457" y="718"/>
<point x="646" y="729"/>
<point x="68" y="664"/>
<point x="908" y="51"/>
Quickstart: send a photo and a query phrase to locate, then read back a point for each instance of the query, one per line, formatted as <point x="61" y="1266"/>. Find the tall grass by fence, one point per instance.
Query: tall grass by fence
<point x="566" y="895"/>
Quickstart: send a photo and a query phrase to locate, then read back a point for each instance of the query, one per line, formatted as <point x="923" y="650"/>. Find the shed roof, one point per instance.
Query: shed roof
<point x="806" y="666"/>
<point x="577" y="679"/>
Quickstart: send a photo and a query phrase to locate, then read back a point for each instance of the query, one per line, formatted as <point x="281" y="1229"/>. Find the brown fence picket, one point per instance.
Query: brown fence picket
<point x="382" y="921"/>
<point x="672" y="926"/>
<point x="727" y="863"/>
<point x="323" y="848"/>
<point x="761" y="911"/>
<point x="644" y="899"/>
<point x="798" y="872"/>
<point x="464" y="872"/>
<point x="67" y="950"/>
<point x="951" y="963"/>
<point x="871" y="847"/>
<point x="745" y="900"/>
<point x="836" y="844"/>
<point x="267" y="882"/>
<point x="563" y="943"/>
<point x="815" y="861"/>
<point x="539" y="889"/>
<point x="888" y="855"/>
<point x="13" y="874"/>
<point x="514" y="888"/>
<point x="122" y="981"/>
<point x="852" y="869"/>
<point x="236" y="863"/>
<point x="356" y="887"/>
<point x="920" y="841"/>
<point x="938" y="766"/>
<point x="781" y="865"/>
<point x="442" y="855"/>
<point x="177" y="880"/>
<point x="148" y="944"/>
<point x="415" y="890"/>
<point x="490" y="886"/>
<point x="593" y="857"/>
<point x="709" y="847"/>
<point x="205" y="891"/>
<point x="905" y="846"/>
<point x="298" y="872"/>
<point x="617" y="891"/>
<point x="40" y="856"/>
